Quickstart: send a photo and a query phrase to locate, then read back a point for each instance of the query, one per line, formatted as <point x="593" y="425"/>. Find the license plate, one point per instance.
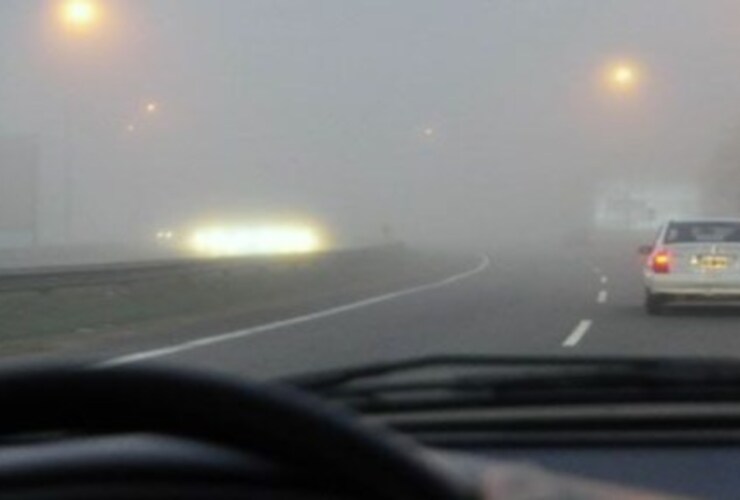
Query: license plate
<point x="713" y="262"/>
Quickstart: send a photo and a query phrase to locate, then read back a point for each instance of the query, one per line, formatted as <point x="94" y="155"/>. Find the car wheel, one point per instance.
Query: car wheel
<point x="654" y="303"/>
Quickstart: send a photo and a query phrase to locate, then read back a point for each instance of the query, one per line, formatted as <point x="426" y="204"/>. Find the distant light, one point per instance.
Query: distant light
<point x="151" y="107"/>
<point x="428" y="131"/>
<point x="80" y="13"/>
<point x="131" y="128"/>
<point x="622" y="76"/>
<point x="165" y="235"/>
<point x="258" y="240"/>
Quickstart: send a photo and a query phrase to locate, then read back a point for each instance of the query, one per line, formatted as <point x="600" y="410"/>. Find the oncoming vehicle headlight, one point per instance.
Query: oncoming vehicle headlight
<point x="258" y="240"/>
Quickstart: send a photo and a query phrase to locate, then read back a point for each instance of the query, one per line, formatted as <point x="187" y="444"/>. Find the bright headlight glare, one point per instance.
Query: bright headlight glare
<point x="261" y="240"/>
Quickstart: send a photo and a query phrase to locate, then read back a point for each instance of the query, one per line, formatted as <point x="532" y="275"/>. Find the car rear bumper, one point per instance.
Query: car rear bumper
<point x="710" y="287"/>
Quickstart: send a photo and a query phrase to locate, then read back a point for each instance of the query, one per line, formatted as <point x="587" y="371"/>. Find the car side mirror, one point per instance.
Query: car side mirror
<point x="645" y="249"/>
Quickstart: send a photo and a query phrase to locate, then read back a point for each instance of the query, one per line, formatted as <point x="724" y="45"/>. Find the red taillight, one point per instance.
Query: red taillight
<point x="661" y="262"/>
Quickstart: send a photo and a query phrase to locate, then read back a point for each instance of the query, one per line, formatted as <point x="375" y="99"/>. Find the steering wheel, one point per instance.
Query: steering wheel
<point x="276" y="422"/>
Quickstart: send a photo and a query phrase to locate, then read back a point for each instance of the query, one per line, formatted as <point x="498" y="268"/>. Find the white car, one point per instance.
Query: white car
<point x="693" y="259"/>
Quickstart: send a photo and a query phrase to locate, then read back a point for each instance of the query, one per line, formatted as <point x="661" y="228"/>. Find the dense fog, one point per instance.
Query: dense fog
<point x="434" y="122"/>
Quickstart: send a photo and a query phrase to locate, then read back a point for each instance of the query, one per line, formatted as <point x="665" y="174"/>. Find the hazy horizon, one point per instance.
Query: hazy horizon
<point x="475" y="122"/>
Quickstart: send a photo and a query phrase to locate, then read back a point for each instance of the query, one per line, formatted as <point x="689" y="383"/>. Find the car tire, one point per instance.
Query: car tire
<point x="654" y="303"/>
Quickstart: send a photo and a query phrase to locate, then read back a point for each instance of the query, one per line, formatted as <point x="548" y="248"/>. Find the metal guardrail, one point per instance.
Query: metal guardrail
<point x="52" y="278"/>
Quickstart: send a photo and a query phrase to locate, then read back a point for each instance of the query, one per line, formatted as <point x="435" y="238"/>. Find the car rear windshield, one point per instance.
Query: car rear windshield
<point x="701" y="232"/>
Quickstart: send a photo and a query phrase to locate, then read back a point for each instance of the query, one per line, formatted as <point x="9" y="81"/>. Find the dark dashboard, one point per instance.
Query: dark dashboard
<point x="150" y="466"/>
<point x="696" y="471"/>
<point x="155" y="433"/>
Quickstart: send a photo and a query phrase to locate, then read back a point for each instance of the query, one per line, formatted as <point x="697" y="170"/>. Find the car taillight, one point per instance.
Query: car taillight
<point x="661" y="262"/>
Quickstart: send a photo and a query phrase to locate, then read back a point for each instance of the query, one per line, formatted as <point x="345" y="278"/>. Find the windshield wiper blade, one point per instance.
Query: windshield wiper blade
<point x="670" y="367"/>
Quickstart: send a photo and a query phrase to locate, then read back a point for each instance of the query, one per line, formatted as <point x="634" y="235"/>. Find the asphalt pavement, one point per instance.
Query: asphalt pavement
<point x="579" y="301"/>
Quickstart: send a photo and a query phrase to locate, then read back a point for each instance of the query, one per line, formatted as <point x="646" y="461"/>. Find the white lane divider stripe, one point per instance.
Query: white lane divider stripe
<point x="578" y="333"/>
<point x="602" y="297"/>
<point x="604" y="280"/>
<point x="224" y="337"/>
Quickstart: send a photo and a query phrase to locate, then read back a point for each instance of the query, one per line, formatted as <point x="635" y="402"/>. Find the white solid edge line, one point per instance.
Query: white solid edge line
<point x="578" y="333"/>
<point x="224" y="337"/>
<point x="602" y="297"/>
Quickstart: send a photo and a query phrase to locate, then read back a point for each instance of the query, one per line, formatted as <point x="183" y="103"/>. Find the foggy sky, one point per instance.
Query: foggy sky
<point x="319" y="108"/>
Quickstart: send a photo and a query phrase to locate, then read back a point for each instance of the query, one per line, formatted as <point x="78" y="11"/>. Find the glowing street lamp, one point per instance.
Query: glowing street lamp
<point x="623" y="76"/>
<point x="78" y="17"/>
<point x="151" y="107"/>
<point x="80" y="14"/>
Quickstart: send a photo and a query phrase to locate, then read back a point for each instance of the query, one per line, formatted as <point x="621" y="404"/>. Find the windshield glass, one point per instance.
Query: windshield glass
<point x="703" y="232"/>
<point x="271" y="188"/>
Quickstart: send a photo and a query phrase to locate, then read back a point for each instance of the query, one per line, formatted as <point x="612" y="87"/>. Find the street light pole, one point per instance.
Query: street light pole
<point x="79" y="17"/>
<point x="68" y="182"/>
<point x="622" y="79"/>
<point x="141" y="154"/>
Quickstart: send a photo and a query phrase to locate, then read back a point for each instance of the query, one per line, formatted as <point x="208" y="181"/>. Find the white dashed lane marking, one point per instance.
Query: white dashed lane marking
<point x="578" y="333"/>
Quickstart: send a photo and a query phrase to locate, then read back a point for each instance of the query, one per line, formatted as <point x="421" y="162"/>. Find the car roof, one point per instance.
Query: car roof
<point x="735" y="220"/>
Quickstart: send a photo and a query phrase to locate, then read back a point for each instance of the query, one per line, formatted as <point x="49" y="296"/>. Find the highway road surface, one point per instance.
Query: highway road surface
<point x="576" y="303"/>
